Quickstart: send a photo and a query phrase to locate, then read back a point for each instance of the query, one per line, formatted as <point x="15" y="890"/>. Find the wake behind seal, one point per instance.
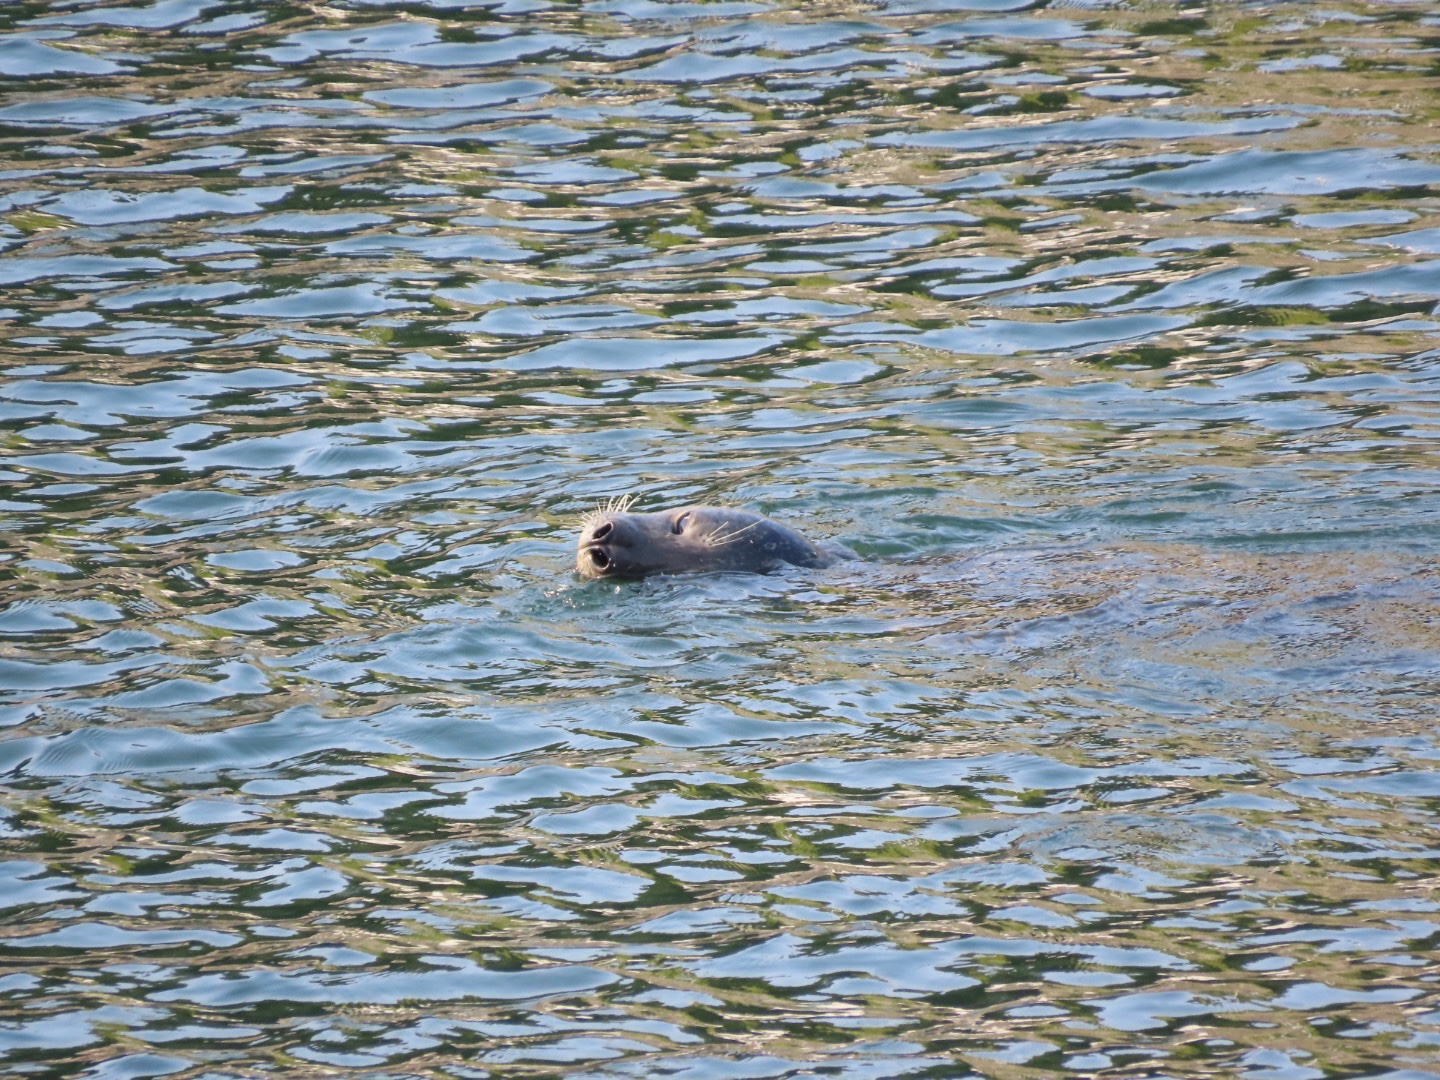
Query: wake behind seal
<point x="615" y="543"/>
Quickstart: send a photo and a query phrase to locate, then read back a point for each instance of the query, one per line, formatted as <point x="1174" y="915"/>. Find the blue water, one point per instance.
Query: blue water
<point x="1105" y="333"/>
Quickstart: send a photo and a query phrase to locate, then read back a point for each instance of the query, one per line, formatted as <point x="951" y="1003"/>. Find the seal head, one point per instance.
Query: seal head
<point x="615" y="543"/>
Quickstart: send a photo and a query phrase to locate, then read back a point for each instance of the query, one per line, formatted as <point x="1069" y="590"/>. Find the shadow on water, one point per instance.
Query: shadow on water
<point x="1104" y="332"/>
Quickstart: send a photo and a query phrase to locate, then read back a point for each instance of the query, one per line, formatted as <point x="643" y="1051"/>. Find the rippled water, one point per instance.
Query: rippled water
<point x="1107" y="333"/>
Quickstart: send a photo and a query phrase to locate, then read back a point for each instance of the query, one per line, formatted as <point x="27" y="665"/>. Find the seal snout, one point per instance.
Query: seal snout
<point x="597" y="556"/>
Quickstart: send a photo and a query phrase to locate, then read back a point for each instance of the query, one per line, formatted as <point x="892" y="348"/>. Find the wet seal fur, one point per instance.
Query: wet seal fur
<point x="615" y="543"/>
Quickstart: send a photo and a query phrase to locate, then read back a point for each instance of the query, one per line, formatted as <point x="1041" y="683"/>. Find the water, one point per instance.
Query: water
<point x="1106" y="333"/>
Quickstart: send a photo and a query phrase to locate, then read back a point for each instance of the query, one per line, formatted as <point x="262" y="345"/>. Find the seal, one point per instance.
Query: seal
<point x="614" y="543"/>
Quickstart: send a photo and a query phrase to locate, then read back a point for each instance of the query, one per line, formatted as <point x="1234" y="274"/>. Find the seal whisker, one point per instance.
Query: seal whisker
<point x="728" y="535"/>
<point x="620" y="504"/>
<point x="616" y="504"/>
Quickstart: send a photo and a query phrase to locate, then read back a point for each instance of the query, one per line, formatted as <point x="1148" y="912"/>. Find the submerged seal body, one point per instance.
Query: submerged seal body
<point x="615" y="543"/>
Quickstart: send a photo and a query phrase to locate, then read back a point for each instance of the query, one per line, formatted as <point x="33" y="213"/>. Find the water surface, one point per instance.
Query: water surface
<point x="1106" y="333"/>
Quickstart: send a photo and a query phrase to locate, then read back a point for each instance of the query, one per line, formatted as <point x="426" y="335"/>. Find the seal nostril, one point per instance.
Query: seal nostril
<point x="603" y="530"/>
<point x="599" y="558"/>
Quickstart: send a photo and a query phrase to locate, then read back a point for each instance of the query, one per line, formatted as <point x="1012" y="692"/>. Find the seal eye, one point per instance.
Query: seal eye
<point x="678" y="525"/>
